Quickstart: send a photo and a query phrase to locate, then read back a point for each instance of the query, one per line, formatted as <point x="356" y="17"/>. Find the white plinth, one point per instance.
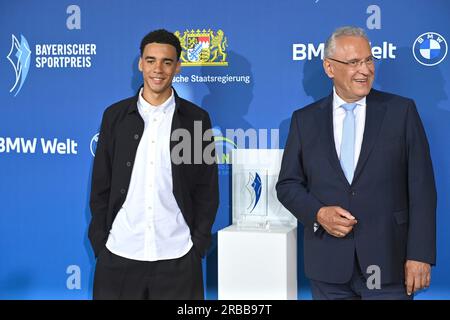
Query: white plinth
<point x="257" y="264"/>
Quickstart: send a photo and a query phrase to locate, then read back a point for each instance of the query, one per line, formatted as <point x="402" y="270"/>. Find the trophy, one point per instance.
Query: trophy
<point x="254" y="177"/>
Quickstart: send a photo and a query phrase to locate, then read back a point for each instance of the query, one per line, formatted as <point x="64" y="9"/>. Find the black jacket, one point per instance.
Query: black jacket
<point x="195" y="186"/>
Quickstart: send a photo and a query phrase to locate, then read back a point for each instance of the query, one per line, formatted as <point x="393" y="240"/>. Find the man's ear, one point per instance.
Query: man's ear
<point x="140" y="64"/>
<point x="328" y="68"/>
<point x="178" y="69"/>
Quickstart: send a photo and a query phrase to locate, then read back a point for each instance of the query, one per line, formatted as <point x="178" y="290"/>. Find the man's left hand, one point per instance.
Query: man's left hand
<point x="417" y="276"/>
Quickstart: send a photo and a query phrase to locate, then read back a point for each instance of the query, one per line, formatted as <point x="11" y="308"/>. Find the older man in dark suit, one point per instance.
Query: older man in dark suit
<point x="357" y="173"/>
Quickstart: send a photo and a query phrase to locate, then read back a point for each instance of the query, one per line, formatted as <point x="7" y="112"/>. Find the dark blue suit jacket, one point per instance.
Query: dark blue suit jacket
<point x="392" y="195"/>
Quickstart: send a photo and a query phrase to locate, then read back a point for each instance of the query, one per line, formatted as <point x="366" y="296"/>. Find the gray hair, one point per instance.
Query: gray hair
<point x="330" y="45"/>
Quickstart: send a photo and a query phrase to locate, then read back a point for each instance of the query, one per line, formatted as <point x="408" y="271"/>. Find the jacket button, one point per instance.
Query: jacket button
<point x="353" y="193"/>
<point x="122" y="191"/>
<point x="136" y="136"/>
<point x="128" y="164"/>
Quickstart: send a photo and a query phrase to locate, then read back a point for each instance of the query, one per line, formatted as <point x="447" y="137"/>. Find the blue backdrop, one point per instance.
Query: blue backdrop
<point x="52" y="98"/>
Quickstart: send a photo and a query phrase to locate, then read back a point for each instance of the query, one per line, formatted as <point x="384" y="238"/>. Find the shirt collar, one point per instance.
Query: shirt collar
<point x="338" y="101"/>
<point x="164" y="107"/>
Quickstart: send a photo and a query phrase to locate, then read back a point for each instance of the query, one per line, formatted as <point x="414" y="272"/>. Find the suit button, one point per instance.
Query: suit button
<point x="353" y="193"/>
<point x="122" y="191"/>
<point x="128" y="164"/>
<point x="136" y="136"/>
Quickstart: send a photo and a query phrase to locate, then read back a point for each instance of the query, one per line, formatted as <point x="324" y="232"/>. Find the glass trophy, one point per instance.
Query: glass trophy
<point x="251" y="197"/>
<point x="254" y="177"/>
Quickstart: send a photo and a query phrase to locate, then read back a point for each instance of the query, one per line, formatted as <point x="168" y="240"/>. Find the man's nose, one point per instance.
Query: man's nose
<point x="364" y="68"/>
<point x="158" y="67"/>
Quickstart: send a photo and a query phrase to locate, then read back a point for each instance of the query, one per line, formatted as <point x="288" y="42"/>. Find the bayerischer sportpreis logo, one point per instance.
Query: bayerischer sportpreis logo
<point x="430" y="48"/>
<point x="203" y="48"/>
<point x="19" y="56"/>
<point x="254" y="187"/>
<point x="59" y="55"/>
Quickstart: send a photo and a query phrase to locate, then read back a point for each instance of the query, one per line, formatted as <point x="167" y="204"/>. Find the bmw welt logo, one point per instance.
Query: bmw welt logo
<point x="19" y="145"/>
<point x="94" y="142"/>
<point x="430" y="48"/>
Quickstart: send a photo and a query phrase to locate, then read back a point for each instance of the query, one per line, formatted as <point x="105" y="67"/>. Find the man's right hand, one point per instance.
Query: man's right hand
<point x="336" y="221"/>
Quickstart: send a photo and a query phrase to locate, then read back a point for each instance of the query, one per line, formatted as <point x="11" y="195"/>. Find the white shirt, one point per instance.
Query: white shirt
<point x="338" y="122"/>
<point x="150" y="225"/>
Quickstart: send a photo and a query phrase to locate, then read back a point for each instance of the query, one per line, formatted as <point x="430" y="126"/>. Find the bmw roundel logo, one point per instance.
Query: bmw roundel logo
<point x="94" y="141"/>
<point x="430" y="48"/>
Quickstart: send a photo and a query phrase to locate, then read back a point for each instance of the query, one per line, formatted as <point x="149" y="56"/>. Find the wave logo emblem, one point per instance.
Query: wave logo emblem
<point x="19" y="56"/>
<point x="429" y="49"/>
<point x="254" y="187"/>
<point x="203" y="48"/>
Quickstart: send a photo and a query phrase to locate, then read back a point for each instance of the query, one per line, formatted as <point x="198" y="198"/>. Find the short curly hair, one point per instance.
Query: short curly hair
<point x="161" y="36"/>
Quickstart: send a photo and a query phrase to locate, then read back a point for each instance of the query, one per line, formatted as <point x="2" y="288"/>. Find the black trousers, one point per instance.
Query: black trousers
<point x="120" y="278"/>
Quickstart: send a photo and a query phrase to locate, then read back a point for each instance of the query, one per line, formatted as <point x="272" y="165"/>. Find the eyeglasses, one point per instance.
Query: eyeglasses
<point x="369" y="61"/>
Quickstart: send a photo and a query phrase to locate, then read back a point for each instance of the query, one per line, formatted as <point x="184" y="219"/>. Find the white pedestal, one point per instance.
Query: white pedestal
<point x="257" y="264"/>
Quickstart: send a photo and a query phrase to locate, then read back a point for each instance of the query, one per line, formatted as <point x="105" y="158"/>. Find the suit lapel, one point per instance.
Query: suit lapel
<point x="324" y="119"/>
<point x="375" y="111"/>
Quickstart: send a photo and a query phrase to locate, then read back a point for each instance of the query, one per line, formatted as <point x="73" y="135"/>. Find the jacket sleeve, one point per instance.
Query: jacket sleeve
<point x="292" y="186"/>
<point x="100" y="188"/>
<point x="421" y="245"/>
<point x="205" y="196"/>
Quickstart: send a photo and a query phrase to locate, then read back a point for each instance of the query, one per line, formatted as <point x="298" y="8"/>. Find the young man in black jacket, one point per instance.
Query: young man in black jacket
<point x="153" y="203"/>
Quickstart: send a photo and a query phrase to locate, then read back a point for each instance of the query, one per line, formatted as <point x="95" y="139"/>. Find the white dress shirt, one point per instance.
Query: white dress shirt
<point x="150" y="225"/>
<point x="338" y="122"/>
